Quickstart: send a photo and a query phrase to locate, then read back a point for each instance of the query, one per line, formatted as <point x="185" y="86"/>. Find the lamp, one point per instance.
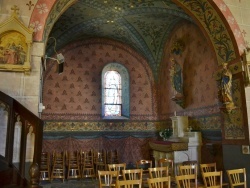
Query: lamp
<point x="59" y="58"/>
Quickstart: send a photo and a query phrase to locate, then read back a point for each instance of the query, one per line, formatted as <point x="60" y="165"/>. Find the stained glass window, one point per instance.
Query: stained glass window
<point x="112" y="94"/>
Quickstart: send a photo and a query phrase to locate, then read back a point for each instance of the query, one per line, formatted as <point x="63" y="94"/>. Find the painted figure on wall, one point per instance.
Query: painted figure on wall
<point x="13" y="49"/>
<point x="176" y="77"/>
<point x="30" y="144"/>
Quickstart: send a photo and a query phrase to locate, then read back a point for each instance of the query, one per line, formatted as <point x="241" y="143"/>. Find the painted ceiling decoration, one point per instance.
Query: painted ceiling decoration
<point x="143" y="25"/>
<point x="212" y="23"/>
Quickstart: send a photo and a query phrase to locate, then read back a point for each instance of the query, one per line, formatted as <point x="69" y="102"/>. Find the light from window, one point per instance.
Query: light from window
<point x="112" y="93"/>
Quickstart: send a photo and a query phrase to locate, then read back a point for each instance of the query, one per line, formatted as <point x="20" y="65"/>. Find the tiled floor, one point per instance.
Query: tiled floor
<point x="87" y="183"/>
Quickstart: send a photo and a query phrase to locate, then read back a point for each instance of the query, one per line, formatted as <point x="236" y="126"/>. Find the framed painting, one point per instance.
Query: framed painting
<point x="15" y="45"/>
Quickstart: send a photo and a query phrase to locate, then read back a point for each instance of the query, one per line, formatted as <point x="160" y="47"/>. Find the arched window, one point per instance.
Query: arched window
<point x="115" y="91"/>
<point x="112" y="94"/>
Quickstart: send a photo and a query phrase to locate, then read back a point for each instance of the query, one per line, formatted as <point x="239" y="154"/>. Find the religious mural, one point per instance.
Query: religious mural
<point x="13" y="48"/>
<point x="15" y="44"/>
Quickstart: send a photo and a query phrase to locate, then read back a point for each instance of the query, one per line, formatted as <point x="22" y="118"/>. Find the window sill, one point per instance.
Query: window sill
<point x="115" y="118"/>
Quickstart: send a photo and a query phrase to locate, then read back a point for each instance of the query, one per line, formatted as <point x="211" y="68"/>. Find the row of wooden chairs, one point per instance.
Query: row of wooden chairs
<point x="211" y="177"/>
<point x="133" y="177"/>
<point x="76" y="164"/>
<point x="237" y="177"/>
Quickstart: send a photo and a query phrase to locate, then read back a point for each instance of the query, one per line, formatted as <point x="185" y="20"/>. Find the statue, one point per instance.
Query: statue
<point x="176" y="77"/>
<point x="225" y="92"/>
<point x="30" y="144"/>
<point x="177" y="82"/>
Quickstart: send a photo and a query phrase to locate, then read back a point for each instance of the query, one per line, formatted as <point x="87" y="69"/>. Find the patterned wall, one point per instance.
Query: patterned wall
<point x="76" y="94"/>
<point x="198" y="63"/>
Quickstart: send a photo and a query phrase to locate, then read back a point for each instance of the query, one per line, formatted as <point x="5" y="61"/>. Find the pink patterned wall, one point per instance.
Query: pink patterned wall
<point x="198" y="63"/>
<point x="76" y="94"/>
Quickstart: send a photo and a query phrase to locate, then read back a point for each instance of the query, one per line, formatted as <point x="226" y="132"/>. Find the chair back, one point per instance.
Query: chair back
<point x="88" y="158"/>
<point x="107" y="178"/>
<point x="144" y="164"/>
<point x="158" y="172"/>
<point x="112" y="157"/>
<point x="186" y="181"/>
<point x="237" y="177"/>
<point x="100" y="157"/>
<point x="133" y="174"/>
<point x="164" y="182"/>
<point x="129" y="183"/>
<point x="187" y="170"/>
<point x="209" y="167"/>
<point x="169" y="163"/>
<point x="45" y="166"/>
<point x="212" y="179"/>
<point x="117" y="167"/>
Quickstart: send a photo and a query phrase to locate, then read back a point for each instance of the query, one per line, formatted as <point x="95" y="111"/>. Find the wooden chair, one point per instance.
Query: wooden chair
<point x="58" y="166"/>
<point x="237" y="177"/>
<point x="73" y="165"/>
<point x="164" y="182"/>
<point x="117" y="167"/>
<point x="107" y="178"/>
<point x="87" y="164"/>
<point x="170" y="164"/>
<point x="190" y="170"/>
<point x="45" y="166"/>
<point x="186" y="181"/>
<point x="167" y="163"/>
<point x="210" y="167"/>
<point x="213" y="179"/>
<point x="144" y="165"/>
<point x="158" y="172"/>
<point x="193" y="164"/>
<point x="129" y="183"/>
<point x="133" y="174"/>
<point x="187" y="170"/>
<point x="100" y="161"/>
<point x="112" y="157"/>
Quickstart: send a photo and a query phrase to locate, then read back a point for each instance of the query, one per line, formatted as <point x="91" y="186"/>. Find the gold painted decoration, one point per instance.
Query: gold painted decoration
<point x="217" y="31"/>
<point x="15" y="44"/>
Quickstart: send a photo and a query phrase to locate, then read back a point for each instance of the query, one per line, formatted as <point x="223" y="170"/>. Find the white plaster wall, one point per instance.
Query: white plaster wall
<point x="23" y="88"/>
<point x="241" y="12"/>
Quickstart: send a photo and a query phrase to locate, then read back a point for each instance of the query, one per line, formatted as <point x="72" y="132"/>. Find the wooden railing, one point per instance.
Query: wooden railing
<point x="17" y="126"/>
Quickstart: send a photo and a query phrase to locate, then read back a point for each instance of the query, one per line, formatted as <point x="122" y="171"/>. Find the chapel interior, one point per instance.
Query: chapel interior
<point x="136" y="79"/>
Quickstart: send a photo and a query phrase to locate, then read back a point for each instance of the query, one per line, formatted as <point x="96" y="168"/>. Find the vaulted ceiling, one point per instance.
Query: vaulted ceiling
<point x="144" y="25"/>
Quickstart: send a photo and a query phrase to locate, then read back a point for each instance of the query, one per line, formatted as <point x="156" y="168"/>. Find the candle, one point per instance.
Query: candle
<point x="174" y="113"/>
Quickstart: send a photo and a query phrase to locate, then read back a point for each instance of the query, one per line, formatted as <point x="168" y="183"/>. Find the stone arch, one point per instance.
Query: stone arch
<point x="42" y="20"/>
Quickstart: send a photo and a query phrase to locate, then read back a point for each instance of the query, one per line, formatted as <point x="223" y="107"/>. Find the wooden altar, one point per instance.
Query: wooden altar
<point x="183" y="145"/>
<point x="179" y="149"/>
